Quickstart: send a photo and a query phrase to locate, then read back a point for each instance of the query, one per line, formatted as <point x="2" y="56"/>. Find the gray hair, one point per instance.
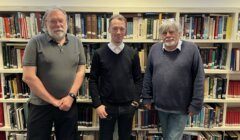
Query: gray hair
<point x="49" y="11"/>
<point x="119" y="17"/>
<point x="169" y="24"/>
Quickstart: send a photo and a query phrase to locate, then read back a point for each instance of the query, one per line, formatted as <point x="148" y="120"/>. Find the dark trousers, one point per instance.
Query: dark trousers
<point x="42" y="117"/>
<point x="123" y="115"/>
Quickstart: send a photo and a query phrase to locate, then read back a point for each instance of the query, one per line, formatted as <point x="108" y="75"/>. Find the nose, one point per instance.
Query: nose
<point x="168" y="33"/>
<point x="118" y="31"/>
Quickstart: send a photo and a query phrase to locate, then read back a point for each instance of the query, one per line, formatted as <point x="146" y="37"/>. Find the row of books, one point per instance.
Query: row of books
<point x="20" y="25"/>
<point x="206" y="26"/>
<point x="15" y="116"/>
<point x="14" y="87"/>
<point x="139" y="25"/>
<point x="215" y="87"/>
<point x="87" y="116"/>
<point x="234" y="89"/>
<point x="235" y="60"/>
<point x="211" y="115"/>
<point x="90" y="26"/>
<point x="214" y="57"/>
<point x="233" y="116"/>
<point x="144" y="26"/>
<point x="12" y="54"/>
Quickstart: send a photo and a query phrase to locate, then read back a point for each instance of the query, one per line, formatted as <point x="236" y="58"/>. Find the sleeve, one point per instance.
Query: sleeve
<point x="147" y="82"/>
<point x="198" y="84"/>
<point x="93" y="80"/>
<point x="30" y="53"/>
<point x="137" y="76"/>
<point x="82" y="58"/>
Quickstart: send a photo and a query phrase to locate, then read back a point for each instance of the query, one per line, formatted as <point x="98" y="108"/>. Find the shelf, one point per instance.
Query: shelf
<point x="25" y="100"/>
<point x="234" y="72"/>
<point x="207" y="71"/>
<point x="215" y="71"/>
<point x="84" y="128"/>
<point x="80" y="128"/>
<point x="207" y="100"/>
<point x="11" y="70"/>
<point x="222" y="128"/>
<point x="228" y="100"/>
<point x="8" y="128"/>
<point x="21" y="70"/>
<point x="130" y="40"/>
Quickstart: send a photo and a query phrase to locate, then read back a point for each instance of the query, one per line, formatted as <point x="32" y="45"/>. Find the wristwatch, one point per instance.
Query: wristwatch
<point x="72" y="95"/>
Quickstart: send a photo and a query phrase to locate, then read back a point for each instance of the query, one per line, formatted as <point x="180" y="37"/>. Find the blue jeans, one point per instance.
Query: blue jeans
<point x="172" y="125"/>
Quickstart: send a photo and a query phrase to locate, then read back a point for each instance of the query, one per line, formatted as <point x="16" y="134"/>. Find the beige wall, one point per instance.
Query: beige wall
<point x="124" y="3"/>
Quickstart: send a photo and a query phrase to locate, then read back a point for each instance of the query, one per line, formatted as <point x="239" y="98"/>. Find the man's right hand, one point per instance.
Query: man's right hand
<point x="147" y="106"/>
<point x="101" y="111"/>
<point x="57" y="103"/>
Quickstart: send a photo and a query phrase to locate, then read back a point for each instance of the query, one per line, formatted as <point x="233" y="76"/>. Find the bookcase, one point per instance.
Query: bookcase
<point x="215" y="30"/>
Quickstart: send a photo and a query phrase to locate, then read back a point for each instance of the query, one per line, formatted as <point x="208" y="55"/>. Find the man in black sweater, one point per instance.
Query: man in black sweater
<point x="115" y="82"/>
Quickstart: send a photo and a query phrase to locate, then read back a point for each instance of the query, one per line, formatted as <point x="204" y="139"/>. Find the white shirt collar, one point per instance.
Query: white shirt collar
<point x="179" y="46"/>
<point x="116" y="49"/>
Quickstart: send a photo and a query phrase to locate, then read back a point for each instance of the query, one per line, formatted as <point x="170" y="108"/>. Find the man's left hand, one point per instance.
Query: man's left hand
<point x="66" y="103"/>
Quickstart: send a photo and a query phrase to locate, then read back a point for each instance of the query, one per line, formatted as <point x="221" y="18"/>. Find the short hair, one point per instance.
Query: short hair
<point x="49" y="11"/>
<point x="119" y="17"/>
<point x="169" y="23"/>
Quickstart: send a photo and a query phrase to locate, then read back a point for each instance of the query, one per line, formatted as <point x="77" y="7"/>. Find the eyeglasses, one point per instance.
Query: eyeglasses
<point x="55" y="21"/>
<point x="169" y="32"/>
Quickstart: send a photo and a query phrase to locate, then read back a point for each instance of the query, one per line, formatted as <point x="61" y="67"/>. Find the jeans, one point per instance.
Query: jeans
<point x="172" y="125"/>
<point x="123" y="114"/>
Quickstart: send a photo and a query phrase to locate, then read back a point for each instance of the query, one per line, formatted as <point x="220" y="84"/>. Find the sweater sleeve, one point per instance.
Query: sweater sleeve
<point x="198" y="84"/>
<point x="137" y="77"/>
<point x="147" y="82"/>
<point x="93" y="80"/>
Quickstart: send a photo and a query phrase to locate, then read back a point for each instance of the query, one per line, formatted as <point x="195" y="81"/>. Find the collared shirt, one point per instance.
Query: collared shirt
<point x="51" y="40"/>
<point x="178" y="46"/>
<point x="56" y="67"/>
<point x="116" y="49"/>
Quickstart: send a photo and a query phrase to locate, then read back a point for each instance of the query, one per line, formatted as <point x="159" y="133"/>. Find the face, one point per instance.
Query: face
<point x="56" y="25"/>
<point x="117" y="29"/>
<point x="170" y="38"/>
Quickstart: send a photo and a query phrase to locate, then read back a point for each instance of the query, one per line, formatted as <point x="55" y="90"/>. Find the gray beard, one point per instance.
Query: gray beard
<point x="57" y="37"/>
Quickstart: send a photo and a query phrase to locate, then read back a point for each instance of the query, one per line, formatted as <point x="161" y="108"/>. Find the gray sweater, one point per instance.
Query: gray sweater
<point x="174" y="80"/>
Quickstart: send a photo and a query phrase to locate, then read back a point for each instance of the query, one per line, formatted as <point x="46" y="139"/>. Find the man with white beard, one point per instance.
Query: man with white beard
<point x="174" y="79"/>
<point x="53" y="68"/>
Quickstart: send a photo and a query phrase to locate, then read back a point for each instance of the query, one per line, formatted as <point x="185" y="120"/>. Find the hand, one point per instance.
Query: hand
<point x="147" y="106"/>
<point x="57" y="103"/>
<point x="190" y="113"/>
<point x="66" y="103"/>
<point x="101" y="111"/>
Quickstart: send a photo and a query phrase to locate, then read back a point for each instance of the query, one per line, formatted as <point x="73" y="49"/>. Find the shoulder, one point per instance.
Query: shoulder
<point x="40" y="37"/>
<point x="102" y="49"/>
<point x="157" y="46"/>
<point x="191" y="46"/>
<point x="129" y="49"/>
<point x="37" y="40"/>
<point x="73" y="38"/>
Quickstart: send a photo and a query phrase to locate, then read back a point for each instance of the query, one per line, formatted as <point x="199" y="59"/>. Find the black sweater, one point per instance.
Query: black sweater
<point x="115" y="78"/>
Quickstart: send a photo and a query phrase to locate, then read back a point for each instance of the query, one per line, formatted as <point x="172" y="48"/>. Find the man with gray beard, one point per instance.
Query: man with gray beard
<point x="173" y="80"/>
<point x="53" y="68"/>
